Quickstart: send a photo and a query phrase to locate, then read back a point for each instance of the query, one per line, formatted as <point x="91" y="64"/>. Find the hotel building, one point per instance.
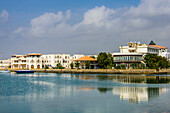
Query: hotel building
<point x="52" y="60"/>
<point x="18" y="62"/>
<point x="163" y="51"/>
<point x="34" y="61"/>
<point x="133" y="53"/>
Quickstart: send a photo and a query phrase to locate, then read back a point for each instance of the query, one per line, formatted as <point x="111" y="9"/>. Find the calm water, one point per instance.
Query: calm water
<point x="84" y="93"/>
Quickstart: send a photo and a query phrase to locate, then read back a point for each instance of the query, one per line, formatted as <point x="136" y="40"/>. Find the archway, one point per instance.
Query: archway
<point x="38" y="67"/>
<point x="32" y="66"/>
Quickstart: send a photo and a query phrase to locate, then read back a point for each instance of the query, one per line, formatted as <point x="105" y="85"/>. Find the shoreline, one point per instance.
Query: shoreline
<point x="101" y="71"/>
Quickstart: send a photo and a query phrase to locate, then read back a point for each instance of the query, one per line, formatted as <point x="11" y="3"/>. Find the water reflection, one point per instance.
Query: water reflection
<point x="127" y="78"/>
<point x="138" y="94"/>
<point x="72" y="93"/>
<point x="131" y="94"/>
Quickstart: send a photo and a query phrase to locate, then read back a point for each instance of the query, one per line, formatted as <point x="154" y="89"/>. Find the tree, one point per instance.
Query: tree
<point x="105" y="60"/>
<point x="102" y="60"/>
<point x="110" y="61"/>
<point x="92" y="57"/>
<point x="153" y="61"/>
<point x="72" y="65"/>
<point x="77" y="64"/>
<point x="59" y="66"/>
<point x="87" y="63"/>
<point x="46" y="67"/>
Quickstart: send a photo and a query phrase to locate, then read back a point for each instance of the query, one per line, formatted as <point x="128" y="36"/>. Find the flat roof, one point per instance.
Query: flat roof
<point x="127" y="54"/>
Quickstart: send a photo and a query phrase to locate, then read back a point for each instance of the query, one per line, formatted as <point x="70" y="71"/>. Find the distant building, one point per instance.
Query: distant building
<point x="163" y="51"/>
<point x="82" y="61"/>
<point x="4" y="64"/>
<point x="52" y="60"/>
<point x="34" y="61"/>
<point x="39" y="61"/>
<point x="133" y="53"/>
<point x="18" y="62"/>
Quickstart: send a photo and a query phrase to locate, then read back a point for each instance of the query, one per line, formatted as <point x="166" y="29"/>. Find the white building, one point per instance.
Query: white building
<point x="18" y="62"/>
<point x="53" y="59"/>
<point x="136" y="47"/>
<point x="4" y="64"/>
<point x="163" y="51"/>
<point x="133" y="53"/>
<point x="77" y="56"/>
<point x="34" y="61"/>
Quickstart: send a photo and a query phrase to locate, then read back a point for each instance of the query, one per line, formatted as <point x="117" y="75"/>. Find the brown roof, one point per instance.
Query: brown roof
<point x="16" y="55"/>
<point x="160" y="47"/>
<point x="86" y="58"/>
<point x="33" y="54"/>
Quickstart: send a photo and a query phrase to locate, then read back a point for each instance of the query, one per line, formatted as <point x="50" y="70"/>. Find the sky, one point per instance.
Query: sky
<point x="80" y="26"/>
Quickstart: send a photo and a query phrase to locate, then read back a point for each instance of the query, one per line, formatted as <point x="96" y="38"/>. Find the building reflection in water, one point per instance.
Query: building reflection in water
<point x="127" y="78"/>
<point x="138" y="94"/>
<point x="131" y="94"/>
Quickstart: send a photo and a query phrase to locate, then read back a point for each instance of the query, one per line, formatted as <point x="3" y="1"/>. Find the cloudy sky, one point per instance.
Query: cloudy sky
<point x="81" y="26"/>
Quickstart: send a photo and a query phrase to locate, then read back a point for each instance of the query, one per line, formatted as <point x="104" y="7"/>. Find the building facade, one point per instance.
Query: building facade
<point x="51" y="60"/>
<point x="34" y="61"/>
<point x="132" y="54"/>
<point x="163" y="51"/>
<point x="18" y="62"/>
<point x="4" y="64"/>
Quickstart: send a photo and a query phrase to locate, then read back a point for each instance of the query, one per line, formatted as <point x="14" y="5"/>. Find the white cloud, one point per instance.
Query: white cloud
<point x="4" y="16"/>
<point x="143" y="22"/>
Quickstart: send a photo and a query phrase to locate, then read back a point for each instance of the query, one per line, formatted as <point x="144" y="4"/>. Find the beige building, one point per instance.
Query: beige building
<point x="18" y="62"/>
<point x="4" y="64"/>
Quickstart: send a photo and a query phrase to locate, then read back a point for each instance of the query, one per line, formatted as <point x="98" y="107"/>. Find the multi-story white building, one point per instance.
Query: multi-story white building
<point x="133" y="53"/>
<point x="136" y="47"/>
<point x="163" y="51"/>
<point x="53" y="59"/>
<point x="38" y="61"/>
<point x="34" y="61"/>
<point x="18" y="62"/>
<point x="4" y="64"/>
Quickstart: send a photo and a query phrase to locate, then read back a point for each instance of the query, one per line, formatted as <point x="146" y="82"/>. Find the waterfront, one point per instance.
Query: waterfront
<point x="84" y="93"/>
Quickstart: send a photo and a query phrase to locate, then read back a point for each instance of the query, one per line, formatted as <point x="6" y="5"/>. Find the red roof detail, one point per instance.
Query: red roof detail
<point x="160" y="47"/>
<point x="86" y="58"/>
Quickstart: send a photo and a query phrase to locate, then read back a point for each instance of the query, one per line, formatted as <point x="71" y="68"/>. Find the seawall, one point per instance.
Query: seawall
<point x="103" y="71"/>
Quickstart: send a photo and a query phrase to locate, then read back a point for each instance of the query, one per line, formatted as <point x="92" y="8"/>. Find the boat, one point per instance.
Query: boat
<point x="24" y="71"/>
<point x="4" y="71"/>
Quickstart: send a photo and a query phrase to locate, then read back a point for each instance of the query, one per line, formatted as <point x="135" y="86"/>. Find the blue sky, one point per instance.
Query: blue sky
<point x="80" y="26"/>
<point x="22" y="11"/>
